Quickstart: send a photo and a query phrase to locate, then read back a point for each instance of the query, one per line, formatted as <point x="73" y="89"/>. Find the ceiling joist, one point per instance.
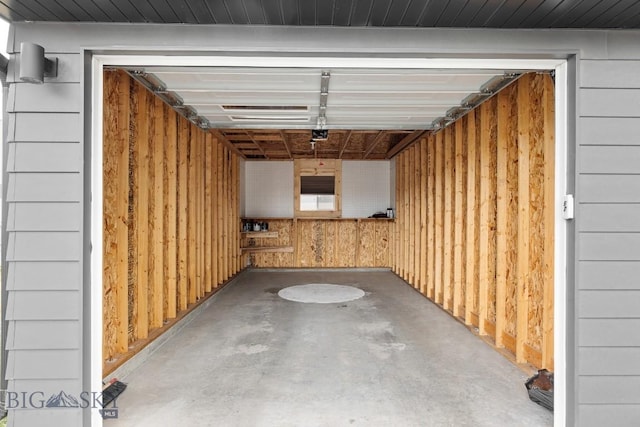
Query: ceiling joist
<point x="404" y="143"/>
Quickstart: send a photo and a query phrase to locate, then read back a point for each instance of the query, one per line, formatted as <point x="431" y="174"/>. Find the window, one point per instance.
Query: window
<point x="317" y="193"/>
<point x="317" y="188"/>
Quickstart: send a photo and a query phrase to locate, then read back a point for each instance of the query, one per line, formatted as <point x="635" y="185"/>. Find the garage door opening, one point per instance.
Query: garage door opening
<point x="449" y="175"/>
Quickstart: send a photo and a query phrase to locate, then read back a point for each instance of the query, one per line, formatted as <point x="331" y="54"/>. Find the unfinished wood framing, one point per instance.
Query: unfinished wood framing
<point x="439" y="217"/>
<point x="459" y="221"/>
<point x="524" y="219"/>
<point x="548" y="110"/>
<point x="431" y="224"/>
<point x="502" y="238"/>
<point x="410" y="229"/>
<point x="448" y="239"/>
<point x="159" y="214"/>
<point x="171" y="211"/>
<point x="116" y="202"/>
<point x="183" y="138"/>
<point x="406" y="217"/>
<point x="422" y="253"/>
<point x="142" y="141"/>
<point x="488" y="215"/>
<point x="473" y="212"/>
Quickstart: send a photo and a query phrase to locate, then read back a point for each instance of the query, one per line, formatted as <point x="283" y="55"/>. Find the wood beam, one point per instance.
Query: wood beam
<point x="286" y="144"/>
<point x="405" y="142"/>
<point x="251" y="136"/>
<point x="345" y="143"/>
<point x="374" y="144"/>
<point x="222" y="138"/>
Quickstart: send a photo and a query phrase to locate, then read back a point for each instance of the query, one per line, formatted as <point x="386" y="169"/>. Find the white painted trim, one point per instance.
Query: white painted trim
<point x="560" y="252"/>
<point x="560" y="269"/>
<point x="96" y="234"/>
<point x="329" y="62"/>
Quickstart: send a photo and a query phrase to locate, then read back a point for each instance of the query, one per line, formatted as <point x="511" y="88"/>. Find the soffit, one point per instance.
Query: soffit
<point x="354" y="13"/>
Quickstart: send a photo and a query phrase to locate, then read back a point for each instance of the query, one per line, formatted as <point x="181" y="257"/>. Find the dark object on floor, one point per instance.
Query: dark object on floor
<point x="540" y="388"/>
<point x="110" y="393"/>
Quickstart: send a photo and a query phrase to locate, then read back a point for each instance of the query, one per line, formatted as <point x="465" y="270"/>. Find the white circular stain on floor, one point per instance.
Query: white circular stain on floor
<point x="321" y="293"/>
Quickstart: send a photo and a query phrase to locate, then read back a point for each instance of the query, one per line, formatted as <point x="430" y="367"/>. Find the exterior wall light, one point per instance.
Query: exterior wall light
<point x="34" y="67"/>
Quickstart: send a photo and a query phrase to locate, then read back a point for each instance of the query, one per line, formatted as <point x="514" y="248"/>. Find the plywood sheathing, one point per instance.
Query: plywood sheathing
<point x="116" y="202"/>
<point x="489" y="219"/>
<point x="326" y="243"/>
<point x="159" y="179"/>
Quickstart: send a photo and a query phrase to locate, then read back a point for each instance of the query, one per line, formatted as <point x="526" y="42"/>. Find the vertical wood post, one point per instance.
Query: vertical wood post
<point x="439" y="217"/>
<point x="171" y="218"/>
<point x="158" y="147"/>
<point x="424" y="167"/>
<point x="523" y="217"/>
<point x="183" y="212"/>
<point x="207" y="212"/>
<point x="431" y="215"/>
<point x="142" y="141"/>
<point x="412" y="215"/>
<point x="192" y="266"/>
<point x="458" y="267"/>
<point x="548" y="105"/>
<point x="472" y="213"/>
<point x="502" y="243"/>
<point x="447" y="276"/>
<point x="220" y="210"/>
<point x="116" y="206"/>
<point x="406" y="170"/>
<point x="214" y="211"/>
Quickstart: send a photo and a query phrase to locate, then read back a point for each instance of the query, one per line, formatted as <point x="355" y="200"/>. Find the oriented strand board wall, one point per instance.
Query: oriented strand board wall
<point x="171" y="217"/>
<point x="325" y="243"/>
<point x="486" y="201"/>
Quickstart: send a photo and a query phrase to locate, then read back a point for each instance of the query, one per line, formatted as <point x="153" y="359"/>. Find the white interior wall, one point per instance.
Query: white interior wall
<point x="268" y="188"/>
<point x="365" y="188"/>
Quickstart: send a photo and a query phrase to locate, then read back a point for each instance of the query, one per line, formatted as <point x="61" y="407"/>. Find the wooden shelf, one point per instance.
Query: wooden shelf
<point x="260" y="234"/>
<point x="252" y="249"/>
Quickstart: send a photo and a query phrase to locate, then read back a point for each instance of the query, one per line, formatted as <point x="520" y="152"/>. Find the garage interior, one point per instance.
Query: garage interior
<point x="469" y="158"/>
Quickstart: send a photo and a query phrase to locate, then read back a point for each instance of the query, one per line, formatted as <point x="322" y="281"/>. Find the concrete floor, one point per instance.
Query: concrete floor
<point x="391" y="358"/>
